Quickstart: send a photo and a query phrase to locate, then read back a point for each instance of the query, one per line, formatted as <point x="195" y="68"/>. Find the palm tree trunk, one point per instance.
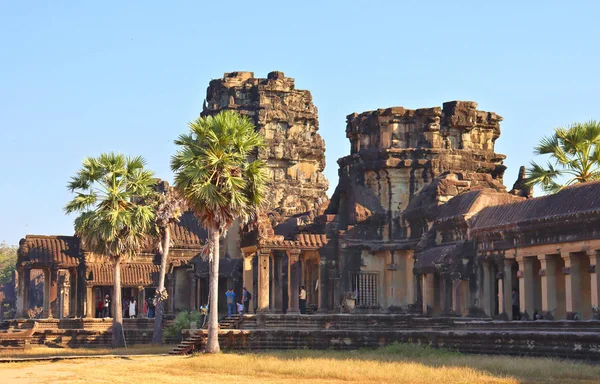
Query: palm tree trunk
<point x="157" y="335"/>
<point x="212" y="344"/>
<point x="118" y="338"/>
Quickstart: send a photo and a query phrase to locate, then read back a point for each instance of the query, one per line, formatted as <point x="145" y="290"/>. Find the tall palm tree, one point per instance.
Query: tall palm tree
<point x="111" y="191"/>
<point x="217" y="172"/>
<point x="168" y="209"/>
<point x="574" y="157"/>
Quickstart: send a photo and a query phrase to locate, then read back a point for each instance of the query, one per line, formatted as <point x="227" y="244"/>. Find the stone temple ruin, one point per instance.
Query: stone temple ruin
<point x="420" y="225"/>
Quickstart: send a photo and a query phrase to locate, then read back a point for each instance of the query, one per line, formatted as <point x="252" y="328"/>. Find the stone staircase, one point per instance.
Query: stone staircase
<point x="196" y="338"/>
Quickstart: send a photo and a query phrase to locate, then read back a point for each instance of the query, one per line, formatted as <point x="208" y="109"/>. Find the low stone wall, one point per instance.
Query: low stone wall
<point x="87" y="332"/>
<point x="565" y="339"/>
<point x="583" y="345"/>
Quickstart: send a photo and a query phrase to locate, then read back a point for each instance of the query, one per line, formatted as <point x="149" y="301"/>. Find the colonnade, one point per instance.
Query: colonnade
<point x="60" y="292"/>
<point x="560" y="285"/>
<point x="268" y="289"/>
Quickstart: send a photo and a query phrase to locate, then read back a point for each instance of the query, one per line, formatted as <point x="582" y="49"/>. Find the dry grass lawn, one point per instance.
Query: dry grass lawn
<point x="43" y="351"/>
<point x="396" y="364"/>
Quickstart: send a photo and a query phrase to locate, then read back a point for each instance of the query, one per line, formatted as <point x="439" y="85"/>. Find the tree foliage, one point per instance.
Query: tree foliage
<point x="574" y="157"/>
<point x="217" y="173"/>
<point x="111" y="196"/>
<point x="8" y="261"/>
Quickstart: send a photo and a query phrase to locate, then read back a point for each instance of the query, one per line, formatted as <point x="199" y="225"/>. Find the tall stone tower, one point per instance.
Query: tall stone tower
<point x="288" y="119"/>
<point x="397" y="153"/>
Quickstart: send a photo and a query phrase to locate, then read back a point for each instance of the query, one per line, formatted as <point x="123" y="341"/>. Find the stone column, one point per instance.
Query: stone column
<point x="487" y="291"/>
<point x="410" y="278"/>
<point x="294" y="276"/>
<point x="193" y="290"/>
<point x="263" y="280"/>
<point x="248" y="277"/>
<point x="323" y="291"/>
<point x="53" y="293"/>
<point x="141" y="298"/>
<point x="500" y="286"/>
<point x="46" y="312"/>
<point x="90" y="305"/>
<point x="171" y="293"/>
<point x="595" y="278"/>
<point x="277" y="284"/>
<point x="572" y="284"/>
<point x="456" y="295"/>
<point x="20" y="293"/>
<point x="427" y="291"/>
<point x="507" y="287"/>
<point x="526" y="294"/>
<point x="548" y="280"/>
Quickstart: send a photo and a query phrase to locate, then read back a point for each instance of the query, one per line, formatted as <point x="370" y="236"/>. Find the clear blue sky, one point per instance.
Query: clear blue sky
<point x="83" y="77"/>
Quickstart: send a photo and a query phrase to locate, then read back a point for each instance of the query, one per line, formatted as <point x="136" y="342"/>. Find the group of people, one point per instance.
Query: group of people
<point x="243" y="305"/>
<point x="234" y="306"/>
<point x="130" y="307"/>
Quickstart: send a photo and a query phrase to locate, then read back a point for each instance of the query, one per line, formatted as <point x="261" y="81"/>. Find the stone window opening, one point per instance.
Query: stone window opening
<point x="365" y="287"/>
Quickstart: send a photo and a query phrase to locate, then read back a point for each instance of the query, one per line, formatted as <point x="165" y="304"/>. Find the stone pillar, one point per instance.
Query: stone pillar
<point x="20" y="293"/>
<point x="548" y="280"/>
<point x="427" y="291"/>
<point x="171" y="293"/>
<point x="526" y="294"/>
<point x="487" y="291"/>
<point x="263" y="280"/>
<point x="507" y="287"/>
<point x="46" y="312"/>
<point x="277" y="284"/>
<point x="500" y="285"/>
<point x="294" y="276"/>
<point x="456" y="295"/>
<point x="193" y="290"/>
<point x="595" y="278"/>
<point x="572" y="284"/>
<point x="323" y="291"/>
<point x="141" y="298"/>
<point x="90" y="304"/>
<point x="409" y="278"/>
<point x="248" y="277"/>
<point x="53" y="293"/>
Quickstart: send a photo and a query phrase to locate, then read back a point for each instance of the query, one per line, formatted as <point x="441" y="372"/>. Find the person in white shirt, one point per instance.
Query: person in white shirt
<point x="302" y="300"/>
<point x="132" y="308"/>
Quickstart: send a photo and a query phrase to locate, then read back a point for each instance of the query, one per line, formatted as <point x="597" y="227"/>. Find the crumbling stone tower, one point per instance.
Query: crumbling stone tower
<point x="288" y="119"/>
<point x="404" y="164"/>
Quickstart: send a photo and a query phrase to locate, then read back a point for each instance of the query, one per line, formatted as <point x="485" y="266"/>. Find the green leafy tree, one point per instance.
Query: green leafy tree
<point x="215" y="173"/>
<point x="168" y="209"/>
<point x="8" y="261"/>
<point x="574" y="157"/>
<point x="110" y="195"/>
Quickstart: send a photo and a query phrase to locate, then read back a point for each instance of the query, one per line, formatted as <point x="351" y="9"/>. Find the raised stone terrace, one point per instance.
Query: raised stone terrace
<point x="565" y="339"/>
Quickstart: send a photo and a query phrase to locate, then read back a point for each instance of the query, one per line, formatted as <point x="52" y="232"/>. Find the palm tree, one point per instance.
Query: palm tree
<point x="114" y="219"/>
<point x="574" y="156"/>
<point x="217" y="172"/>
<point x="167" y="210"/>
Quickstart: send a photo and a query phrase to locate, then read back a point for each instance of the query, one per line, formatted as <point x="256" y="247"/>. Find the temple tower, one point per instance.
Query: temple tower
<point x="288" y="119"/>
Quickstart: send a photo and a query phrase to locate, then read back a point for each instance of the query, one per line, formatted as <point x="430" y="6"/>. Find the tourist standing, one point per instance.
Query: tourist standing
<point x="99" y="306"/>
<point x="230" y="295"/>
<point x="516" y="309"/>
<point x="246" y="297"/>
<point x="150" y="303"/>
<point x="302" y="300"/>
<point x="125" y="308"/>
<point x="132" y="308"/>
<point x="106" y="307"/>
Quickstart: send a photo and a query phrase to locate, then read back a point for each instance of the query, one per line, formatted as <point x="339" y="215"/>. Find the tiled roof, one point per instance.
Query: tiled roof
<point x="132" y="274"/>
<point x="436" y="255"/>
<point x="36" y="250"/>
<point x="581" y="198"/>
<point x="471" y="202"/>
<point x="188" y="233"/>
<point x="302" y="240"/>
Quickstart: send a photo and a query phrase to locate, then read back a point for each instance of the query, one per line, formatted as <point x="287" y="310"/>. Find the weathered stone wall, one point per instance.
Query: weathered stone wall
<point x="288" y="119"/>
